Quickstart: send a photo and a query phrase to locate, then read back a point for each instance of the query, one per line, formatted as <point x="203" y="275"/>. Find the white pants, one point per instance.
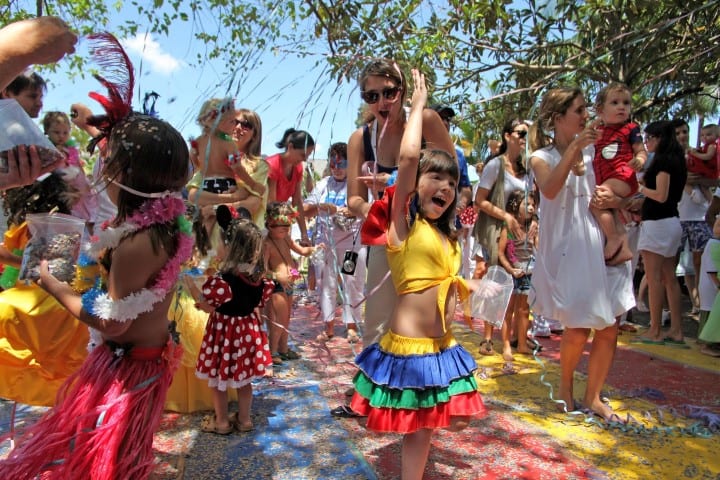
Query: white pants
<point x="380" y="304"/>
<point x="351" y="288"/>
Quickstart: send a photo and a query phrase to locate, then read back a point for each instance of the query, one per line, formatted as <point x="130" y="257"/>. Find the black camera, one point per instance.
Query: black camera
<point x="349" y="263"/>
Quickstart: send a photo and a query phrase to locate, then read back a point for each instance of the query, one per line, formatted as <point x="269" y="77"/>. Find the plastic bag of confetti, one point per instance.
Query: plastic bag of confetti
<point x="55" y="237"/>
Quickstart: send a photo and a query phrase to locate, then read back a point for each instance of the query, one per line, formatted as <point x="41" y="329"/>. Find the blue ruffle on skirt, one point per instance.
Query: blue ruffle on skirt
<point x="415" y="371"/>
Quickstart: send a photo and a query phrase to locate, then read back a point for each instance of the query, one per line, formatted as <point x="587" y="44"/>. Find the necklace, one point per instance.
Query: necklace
<point x="97" y="302"/>
<point x="223" y="136"/>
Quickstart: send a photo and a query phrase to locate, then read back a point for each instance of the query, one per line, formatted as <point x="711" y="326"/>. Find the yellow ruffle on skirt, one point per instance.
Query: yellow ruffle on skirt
<point x="41" y="344"/>
<point x="187" y="392"/>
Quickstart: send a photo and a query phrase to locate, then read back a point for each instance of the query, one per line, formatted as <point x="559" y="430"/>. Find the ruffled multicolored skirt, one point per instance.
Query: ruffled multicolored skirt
<point x="103" y="424"/>
<point x="406" y="384"/>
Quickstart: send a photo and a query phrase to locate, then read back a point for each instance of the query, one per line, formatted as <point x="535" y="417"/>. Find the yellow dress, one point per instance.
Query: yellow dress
<point x="41" y="343"/>
<point x="187" y="392"/>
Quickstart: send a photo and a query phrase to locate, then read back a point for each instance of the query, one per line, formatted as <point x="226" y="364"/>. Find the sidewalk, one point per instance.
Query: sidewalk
<point x="524" y="436"/>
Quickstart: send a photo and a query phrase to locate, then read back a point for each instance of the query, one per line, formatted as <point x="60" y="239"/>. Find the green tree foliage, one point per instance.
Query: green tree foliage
<point x="492" y="60"/>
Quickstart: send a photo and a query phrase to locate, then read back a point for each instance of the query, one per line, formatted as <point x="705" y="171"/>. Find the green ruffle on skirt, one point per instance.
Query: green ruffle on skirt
<point x="381" y="396"/>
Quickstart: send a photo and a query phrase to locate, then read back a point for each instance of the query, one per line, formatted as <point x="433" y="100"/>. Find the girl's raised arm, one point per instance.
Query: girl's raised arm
<point x="409" y="158"/>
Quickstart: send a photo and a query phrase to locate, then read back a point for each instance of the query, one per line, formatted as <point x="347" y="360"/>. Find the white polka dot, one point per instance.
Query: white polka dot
<point x="236" y="343"/>
<point x="248" y="338"/>
<point x="208" y="350"/>
<point x="261" y="367"/>
<point x="221" y="291"/>
<point x="226" y="356"/>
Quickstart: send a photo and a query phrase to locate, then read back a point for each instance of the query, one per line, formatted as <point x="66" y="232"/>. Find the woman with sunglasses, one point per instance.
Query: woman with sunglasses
<point x="244" y="189"/>
<point x="376" y="146"/>
<point x="248" y="138"/>
<point x="504" y="173"/>
<point x="344" y="258"/>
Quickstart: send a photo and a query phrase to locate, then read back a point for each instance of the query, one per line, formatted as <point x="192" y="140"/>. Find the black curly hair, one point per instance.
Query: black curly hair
<point x="41" y="196"/>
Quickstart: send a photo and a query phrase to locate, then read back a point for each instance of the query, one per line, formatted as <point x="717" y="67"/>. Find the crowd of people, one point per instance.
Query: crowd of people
<point x="394" y="222"/>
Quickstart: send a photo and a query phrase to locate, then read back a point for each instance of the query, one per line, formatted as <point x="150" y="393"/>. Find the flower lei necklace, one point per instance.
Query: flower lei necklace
<point x="97" y="302"/>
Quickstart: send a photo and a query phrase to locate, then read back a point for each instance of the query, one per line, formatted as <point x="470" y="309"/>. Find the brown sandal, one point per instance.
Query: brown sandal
<point x="208" y="425"/>
<point x="486" y="347"/>
<point x="324" y="337"/>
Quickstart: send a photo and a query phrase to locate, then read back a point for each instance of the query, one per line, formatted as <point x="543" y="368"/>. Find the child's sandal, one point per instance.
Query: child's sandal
<point x="352" y="336"/>
<point x="486" y="347"/>
<point x="324" y="337"/>
<point x="209" y="425"/>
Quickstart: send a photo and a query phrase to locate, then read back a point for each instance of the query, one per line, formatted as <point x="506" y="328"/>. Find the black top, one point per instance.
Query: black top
<point x="675" y="167"/>
<point x="245" y="296"/>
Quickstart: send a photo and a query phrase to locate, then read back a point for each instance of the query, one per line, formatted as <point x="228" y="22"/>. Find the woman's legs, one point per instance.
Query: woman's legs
<point x="656" y="290"/>
<point x="415" y="451"/>
<point x="571" y="348"/>
<point x="672" y="290"/>
<point x="602" y="353"/>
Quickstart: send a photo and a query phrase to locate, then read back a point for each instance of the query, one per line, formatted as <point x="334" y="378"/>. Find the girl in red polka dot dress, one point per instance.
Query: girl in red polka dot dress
<point x="235" y="349"/>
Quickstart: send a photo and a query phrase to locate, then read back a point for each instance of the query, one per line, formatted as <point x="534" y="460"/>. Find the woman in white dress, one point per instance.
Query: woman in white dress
<point x="571" y="281"/>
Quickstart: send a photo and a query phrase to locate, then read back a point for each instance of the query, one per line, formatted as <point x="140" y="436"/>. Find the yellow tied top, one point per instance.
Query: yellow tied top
<point x="426" y="259"/>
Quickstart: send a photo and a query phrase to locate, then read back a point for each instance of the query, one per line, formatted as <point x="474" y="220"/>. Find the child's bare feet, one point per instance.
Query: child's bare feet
<point x="507" y="355"/>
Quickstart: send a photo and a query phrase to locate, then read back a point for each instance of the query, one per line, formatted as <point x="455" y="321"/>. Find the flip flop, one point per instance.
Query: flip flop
<point x="647" y="341"/>
<point x="671" y="342"/>
<point x="343" y="411"/>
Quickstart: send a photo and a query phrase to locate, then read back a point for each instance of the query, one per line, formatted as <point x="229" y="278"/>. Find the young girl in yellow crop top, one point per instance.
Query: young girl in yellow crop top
<point x="417" y="377"/>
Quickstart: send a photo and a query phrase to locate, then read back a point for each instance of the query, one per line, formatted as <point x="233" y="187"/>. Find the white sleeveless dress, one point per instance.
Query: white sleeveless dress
<point x="571" y="282"/>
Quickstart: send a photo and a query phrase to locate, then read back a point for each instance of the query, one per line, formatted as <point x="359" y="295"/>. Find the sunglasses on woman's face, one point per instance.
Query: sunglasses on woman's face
<point x="521" y="133"/>
<point x="372" y="96"/>
<point x="244" y="124"/>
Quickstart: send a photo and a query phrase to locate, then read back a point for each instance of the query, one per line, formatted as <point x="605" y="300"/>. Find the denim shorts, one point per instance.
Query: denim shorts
<point x="521" y="285"/>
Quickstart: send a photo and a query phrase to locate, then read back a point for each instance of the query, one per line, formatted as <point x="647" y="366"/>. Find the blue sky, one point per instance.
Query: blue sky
<point x="285" y="91"/>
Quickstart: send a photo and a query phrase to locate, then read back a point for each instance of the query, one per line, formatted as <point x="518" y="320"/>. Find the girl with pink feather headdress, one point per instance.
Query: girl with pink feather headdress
<point x="106" y="413"/>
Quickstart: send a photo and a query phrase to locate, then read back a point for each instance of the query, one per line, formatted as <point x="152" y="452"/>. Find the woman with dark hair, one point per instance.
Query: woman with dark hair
<point x="660" y="230"/>
<point x="503" y="173"/>
<point x="286" y="173"/>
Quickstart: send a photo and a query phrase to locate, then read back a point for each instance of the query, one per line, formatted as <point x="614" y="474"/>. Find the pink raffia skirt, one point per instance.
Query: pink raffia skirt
<point x="104" y="419"/>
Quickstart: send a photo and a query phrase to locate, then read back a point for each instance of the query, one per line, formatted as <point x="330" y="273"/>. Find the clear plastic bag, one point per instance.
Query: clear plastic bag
<point x="491" y="299"/>
<point x="19" y="129"/>
<point x="55" y="237"/>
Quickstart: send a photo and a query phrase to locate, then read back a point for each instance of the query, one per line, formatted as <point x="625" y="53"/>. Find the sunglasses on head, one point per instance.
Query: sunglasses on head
<point x="373" y="96"/>
<point x="244" y="124"/>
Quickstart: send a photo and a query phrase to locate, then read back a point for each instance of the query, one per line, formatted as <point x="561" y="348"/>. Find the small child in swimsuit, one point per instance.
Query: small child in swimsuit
<point x="283" y="270"/>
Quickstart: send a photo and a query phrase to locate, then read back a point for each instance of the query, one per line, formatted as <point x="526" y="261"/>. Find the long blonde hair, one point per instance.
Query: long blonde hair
<point x="555" y="102"/>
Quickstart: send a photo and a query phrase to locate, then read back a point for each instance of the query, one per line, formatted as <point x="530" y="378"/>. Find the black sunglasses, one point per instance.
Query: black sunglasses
<point x="521" y="133"/>
<point x="244" y="124"/>
<point x="372" y="96"/>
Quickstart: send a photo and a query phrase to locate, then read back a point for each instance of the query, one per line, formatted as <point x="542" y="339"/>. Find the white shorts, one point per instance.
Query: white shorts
<point x="661" y="237"/>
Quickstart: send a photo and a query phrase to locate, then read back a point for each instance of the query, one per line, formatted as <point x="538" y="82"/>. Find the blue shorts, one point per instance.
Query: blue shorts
<point x="696" y="233"/>
<point x="521" y="286"/>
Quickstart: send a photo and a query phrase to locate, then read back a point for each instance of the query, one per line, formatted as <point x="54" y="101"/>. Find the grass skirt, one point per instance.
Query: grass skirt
<point x="406" y="384"/>
<point x="103" y="423"/>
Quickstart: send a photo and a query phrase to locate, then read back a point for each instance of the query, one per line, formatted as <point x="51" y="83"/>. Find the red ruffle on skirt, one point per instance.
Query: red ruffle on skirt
<point x="103" y="424"/>
<point x="401" y="420"/>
